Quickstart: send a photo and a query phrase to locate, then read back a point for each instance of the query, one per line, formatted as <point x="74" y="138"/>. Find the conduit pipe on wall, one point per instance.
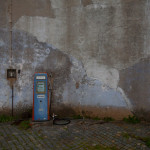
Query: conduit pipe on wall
<point x="10" y="30"/>
<point x="11" y="73"/>
<point x="12" y="101"/>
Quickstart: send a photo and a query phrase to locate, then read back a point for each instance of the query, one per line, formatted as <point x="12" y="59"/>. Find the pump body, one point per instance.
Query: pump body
<point x="40" y="111"/>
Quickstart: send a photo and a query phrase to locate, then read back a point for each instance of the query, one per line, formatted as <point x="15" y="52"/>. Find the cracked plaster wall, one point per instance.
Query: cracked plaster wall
<point x="93" y="48"/>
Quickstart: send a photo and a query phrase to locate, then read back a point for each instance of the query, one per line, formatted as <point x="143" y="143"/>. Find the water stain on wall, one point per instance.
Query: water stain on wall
<point x="30" y="55"/>
<point x="31" y="8"/>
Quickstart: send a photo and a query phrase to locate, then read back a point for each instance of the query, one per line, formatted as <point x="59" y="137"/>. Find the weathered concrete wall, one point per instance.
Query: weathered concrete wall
<point x="97" y="51"/>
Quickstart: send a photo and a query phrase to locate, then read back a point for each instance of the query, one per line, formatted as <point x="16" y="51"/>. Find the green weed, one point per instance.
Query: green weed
<point x="88" y="117"/>
<point x="131" y="119"/>
<point x="96" y="118"/>
<point x="108" y="119"/>
<point x="25" y="125"/>
<point x="126" y="135"/>
<point x="77" y="117"/>
<point x="5" y="118"/>
<point x="100" y="147"/>
<point x="41" y="138"/>
<point x="147" y="141"/>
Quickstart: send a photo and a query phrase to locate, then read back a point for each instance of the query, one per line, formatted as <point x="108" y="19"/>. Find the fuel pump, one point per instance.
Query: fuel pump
<point x="40" y="111"/>
<point x="42" y="100"/>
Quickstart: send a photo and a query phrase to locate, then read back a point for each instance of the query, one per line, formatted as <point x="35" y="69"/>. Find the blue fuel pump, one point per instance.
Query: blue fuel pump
<point x="40" y="111"/>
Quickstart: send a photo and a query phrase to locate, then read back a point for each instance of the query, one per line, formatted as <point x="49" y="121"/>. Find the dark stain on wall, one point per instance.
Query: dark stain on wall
<point x="133" y="11"/>
<point x="77" y="85"/>
<point x="71" y="3"/>
<point x="90" y="111"/>
<point x="31" y="8"/>
<point x="58" y="64"/>
<point x="135" y="82"/>
<point x="3" y="13"/>
<point x="86" y="2"/>
<point x="130" y="39"/>
<point x="106" y="37"/>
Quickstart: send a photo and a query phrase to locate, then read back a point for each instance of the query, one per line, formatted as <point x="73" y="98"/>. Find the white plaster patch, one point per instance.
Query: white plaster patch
<point x="57" y="3"/>
<point x="96" y="6"/>
<point x="92" y="95"/>
<point x="77" y="70"/>
<point x="45" y="29"/>
<point x="108" y="76"/>
<point x="48" y="51"/>
<point x="125" y="98"/>
<point x="20" y="65"/>
<point x="1" y="43"/>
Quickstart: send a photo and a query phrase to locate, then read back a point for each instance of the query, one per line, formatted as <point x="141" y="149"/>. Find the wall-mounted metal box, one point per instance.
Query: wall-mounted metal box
<point x="11" y="73"/>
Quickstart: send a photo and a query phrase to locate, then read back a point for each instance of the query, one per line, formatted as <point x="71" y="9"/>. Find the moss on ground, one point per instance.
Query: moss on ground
<point x="146" y="140"/>
<point x="101" y="147"/>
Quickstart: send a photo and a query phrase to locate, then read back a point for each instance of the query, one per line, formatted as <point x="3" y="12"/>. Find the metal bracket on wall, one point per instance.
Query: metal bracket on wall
<point x="11" y="76"/>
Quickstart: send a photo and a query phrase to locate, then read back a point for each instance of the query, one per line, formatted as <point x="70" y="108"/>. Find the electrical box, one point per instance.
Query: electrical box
<point x="40" y="110"/>
<point x="11" y="73"/>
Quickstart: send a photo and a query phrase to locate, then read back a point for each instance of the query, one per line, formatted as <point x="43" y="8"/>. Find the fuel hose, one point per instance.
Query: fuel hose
<point x="61" y="121"/>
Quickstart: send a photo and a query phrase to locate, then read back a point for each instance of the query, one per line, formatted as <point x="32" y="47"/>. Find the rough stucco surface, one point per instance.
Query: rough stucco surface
<point x="97" y="51"/>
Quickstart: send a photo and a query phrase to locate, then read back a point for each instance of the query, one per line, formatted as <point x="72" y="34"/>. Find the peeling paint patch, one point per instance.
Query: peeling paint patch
<point x="91" y="92"/>
<point x="45" y="30"/>
<point x="31" y="56"/>
<point x="108" y="76"/>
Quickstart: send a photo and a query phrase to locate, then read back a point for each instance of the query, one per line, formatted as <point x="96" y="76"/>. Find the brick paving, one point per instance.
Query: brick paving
<point x="78" y="135"/>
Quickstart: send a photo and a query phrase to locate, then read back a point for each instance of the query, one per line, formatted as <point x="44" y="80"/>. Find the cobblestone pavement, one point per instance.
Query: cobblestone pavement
<point x="78" y="135"/>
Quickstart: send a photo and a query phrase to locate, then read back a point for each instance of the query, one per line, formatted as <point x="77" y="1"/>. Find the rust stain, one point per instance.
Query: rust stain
<point x="117" y="113"/>
<point x="77" y="85"/>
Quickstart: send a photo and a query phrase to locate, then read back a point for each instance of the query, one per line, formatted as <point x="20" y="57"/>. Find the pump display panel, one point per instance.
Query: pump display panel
<point x="40" y="87"/>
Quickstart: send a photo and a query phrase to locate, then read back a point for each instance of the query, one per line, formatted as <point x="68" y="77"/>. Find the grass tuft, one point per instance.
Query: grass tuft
<point x="126" y="135"/>
<point x="131" y="119"/>
<point x="96" y="118"/>
<point x="77" y="117"/>
<point x="147" y="141"/>
<point x="5" y="118"/>
<point x="108" y="119"/>
<point x="25" y="125"/>
<point x="100" y="147"/>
